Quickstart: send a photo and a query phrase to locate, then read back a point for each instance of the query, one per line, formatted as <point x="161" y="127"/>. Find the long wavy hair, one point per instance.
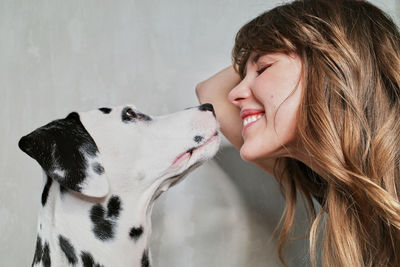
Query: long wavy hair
<point x="348" y="124"/>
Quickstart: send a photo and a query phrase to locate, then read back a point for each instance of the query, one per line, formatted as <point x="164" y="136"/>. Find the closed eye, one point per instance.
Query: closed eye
<point x="263" y="69"/>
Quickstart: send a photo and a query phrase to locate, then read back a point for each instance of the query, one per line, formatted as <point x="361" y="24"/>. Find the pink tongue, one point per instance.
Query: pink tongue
<point x="181" y="158"/>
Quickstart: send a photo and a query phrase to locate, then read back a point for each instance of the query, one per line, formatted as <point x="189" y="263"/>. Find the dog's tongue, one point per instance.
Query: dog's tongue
<point x="182" y="157"/>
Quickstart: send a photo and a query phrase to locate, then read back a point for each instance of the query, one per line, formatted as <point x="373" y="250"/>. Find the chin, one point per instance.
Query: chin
<point x="252" y="152"/>
<point x="247" y="154"/>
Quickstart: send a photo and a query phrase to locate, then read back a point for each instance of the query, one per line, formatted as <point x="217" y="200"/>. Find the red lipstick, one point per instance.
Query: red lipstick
<point x="248" y="112"/>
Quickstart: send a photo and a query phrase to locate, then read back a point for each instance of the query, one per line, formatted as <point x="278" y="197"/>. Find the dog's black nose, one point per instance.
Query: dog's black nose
<point x="207" y="107"/>
<point x="25" y="144"/>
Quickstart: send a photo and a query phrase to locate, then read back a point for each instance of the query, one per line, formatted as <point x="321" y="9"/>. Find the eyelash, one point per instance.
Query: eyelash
<point x="263" y="69"/>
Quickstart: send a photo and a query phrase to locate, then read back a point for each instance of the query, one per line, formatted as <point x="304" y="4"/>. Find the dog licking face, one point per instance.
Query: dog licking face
<point x="110" y="164"/>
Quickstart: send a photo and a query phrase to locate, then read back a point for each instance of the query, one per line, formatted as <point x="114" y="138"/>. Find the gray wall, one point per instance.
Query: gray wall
<point x="59" y="56"/>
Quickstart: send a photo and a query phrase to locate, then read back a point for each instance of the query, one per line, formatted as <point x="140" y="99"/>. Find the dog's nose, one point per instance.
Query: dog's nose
<point x="207" y="107"/>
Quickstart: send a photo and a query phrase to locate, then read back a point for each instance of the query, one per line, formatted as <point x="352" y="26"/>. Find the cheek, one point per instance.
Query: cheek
<point x="278" y="92"/>
<point x="271" y="93"/>
<point x="277" y="85"/>
<point x="286" y="116"/>
<point x="281" y="106"/>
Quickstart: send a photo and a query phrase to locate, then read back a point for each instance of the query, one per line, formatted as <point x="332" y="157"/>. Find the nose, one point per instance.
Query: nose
<point x="207" y="107"/>
<point x="239" y="93"/>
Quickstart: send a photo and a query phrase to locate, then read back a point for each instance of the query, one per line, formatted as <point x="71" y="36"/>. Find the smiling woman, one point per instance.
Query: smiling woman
<point x="268" y="97"/>
<point x="313" y="98"/>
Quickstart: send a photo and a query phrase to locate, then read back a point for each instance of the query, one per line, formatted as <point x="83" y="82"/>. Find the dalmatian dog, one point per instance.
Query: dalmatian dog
<point x="103" y="169"/>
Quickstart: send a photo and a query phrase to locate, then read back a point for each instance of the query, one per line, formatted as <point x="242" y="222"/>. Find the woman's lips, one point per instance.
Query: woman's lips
<point x="250" y="116"/>
<point x="248" y="112"/>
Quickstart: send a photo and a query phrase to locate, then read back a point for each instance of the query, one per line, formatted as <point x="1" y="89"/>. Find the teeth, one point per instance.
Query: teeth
<point x="250" y="119"/>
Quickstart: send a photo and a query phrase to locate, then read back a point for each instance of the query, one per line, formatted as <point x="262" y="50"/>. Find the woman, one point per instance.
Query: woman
<point x="313" y="98"/>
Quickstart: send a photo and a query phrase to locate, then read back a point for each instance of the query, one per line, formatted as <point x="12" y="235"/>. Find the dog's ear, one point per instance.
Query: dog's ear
<point x="69" y="155"/>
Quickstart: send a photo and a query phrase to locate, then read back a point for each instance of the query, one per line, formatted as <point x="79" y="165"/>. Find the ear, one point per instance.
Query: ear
<point x="69" y="155"/>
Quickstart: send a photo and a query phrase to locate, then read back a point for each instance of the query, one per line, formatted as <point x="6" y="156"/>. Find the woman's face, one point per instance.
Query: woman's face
<point x="268" y="98"/>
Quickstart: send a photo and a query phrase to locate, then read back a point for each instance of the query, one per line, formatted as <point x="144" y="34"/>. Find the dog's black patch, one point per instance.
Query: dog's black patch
<point x="198" y="138"/>
<point x="46" y="255"/>
<point x="103" y="228"/>
<point x="129" y="115"/>
<point x="88" y="261"/>
<point x="68" y="249"/>
<point x="38" y="251"/>
<point x="135" y="233"/>
<point x="46" y="190"/>
<point x="114" y="207"/>
<point x="61" y="144"/>
<point x="105" y="110"/>
<point x="63" y="190"/>
<point x="97" y="168"/>
<point x="207" y="107"/>
<point x="104" y="222"/>
<point x="145" y="259"/>
<point x="42" y="253"/>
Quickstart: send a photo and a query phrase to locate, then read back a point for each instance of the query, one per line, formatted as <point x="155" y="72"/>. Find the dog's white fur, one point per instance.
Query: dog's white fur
<point x="138" y="160"/>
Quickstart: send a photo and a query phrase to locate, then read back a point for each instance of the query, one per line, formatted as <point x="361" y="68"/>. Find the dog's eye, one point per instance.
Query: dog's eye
<point x="128" y="114"/>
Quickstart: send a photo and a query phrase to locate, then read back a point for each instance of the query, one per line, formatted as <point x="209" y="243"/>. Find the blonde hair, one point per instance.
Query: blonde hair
<point x="348" y="123"/>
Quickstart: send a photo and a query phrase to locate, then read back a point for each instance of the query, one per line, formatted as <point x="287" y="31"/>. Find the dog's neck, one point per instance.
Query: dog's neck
<point x="111" y="231"/>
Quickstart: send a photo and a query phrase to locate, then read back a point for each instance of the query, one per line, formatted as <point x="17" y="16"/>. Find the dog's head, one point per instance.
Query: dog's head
<point x="122" y="148"/>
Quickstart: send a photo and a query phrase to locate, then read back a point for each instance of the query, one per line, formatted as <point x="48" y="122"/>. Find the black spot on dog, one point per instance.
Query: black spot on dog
<point x="198" y="138"/>
<point x="105" y="110"/>
<point x="103" y="228"/>
<point x="97" y="168"/>
<point x="46" y="190"/>
<point x="88" y="261"/>
<point x="38" y="251"/>
<point x="135" y="233"/>
<point x="104" y="222"/>
<point x="63" y="190"/>
<point x="46" y="255"/>
<point x="42" y="253"/>
<point x="207" y="107"/>
<point x="114" y="207"/>
<point x="62" y="144"/>
<point x="145" y="259"/>
<point x="68" y="250"/>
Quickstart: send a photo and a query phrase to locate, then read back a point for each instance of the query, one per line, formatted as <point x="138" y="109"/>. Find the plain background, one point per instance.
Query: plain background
<point x="59" y="56"/>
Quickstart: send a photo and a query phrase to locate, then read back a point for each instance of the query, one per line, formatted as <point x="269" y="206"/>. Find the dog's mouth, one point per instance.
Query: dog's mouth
<point x="188" y="153"/>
